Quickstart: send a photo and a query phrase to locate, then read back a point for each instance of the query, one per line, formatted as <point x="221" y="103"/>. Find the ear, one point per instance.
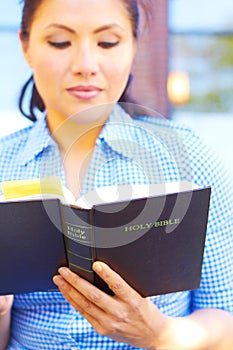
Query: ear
<point x="25" y="47"/>
<point x="135" y="47"/>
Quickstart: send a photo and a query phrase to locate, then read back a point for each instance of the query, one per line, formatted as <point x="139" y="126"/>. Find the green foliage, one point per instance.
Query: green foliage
<point x="213" y="101"/>
<point x="208" y="60"/>
<point x="221" y="51"/>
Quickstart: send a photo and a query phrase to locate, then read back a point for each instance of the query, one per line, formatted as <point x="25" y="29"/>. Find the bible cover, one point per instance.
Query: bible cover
<point x="156" y="244"/>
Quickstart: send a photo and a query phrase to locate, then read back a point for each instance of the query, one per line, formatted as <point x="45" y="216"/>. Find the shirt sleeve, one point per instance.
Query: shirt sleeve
<point x="216" y="289"/>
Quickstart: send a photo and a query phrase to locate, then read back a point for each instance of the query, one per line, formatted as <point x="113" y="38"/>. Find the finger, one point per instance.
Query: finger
<point x="5" y="303"/>
<point x="89" y="291"/>
<point x="115" y="282"/>
<point x="100" y="320"/>
<point x="75" y="298"/>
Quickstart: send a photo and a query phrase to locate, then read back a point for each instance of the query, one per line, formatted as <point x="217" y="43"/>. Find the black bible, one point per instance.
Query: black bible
<point x="155" y="243"/>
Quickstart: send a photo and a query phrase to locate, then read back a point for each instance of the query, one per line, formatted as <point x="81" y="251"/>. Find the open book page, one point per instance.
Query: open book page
<point x="51" y="187"/>
<point x="117" y="193"/>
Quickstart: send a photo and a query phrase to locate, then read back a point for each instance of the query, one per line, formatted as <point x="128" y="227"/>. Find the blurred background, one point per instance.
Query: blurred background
<point x="183" y="70"/>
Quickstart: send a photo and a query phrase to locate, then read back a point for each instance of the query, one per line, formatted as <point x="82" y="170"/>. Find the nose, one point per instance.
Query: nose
<point x="84" y="60"/>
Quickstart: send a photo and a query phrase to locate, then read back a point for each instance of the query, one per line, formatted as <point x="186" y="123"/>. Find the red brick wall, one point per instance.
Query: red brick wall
<point x="151" y="63"/>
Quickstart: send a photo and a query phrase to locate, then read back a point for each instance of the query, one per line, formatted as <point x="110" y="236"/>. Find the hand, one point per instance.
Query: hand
<point x="6" y="302"/>
<point x="127" y="317"/>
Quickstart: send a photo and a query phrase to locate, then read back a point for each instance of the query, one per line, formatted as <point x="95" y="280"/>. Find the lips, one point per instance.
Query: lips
<point x="84" y="92"/>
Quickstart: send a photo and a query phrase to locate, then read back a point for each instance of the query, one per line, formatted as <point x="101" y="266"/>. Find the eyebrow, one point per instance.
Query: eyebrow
<point x="60" y="26"/>
<point x="108" y="26"/>
<point x="96" y="31"/>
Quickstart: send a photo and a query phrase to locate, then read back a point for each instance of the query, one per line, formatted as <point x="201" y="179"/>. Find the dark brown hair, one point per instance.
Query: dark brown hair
<point x="30" y="8"/>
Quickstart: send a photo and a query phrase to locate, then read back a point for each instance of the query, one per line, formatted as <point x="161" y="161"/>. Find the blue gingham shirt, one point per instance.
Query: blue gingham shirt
<point x="128" y="150"/>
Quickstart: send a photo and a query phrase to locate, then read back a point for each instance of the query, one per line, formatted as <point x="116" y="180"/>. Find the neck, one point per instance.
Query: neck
<point x="70" y="135"/>
<point x="80" y="131"/>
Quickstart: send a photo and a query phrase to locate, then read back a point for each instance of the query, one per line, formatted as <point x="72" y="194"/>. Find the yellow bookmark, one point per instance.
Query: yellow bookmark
<point x="23" y="188"/>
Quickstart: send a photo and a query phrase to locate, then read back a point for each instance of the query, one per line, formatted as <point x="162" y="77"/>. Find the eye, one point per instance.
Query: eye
<point x="59" y="44"/>
<point x="108" y="44"/>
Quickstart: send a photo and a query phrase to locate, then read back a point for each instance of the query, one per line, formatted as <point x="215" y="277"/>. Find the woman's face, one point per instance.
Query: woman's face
<point x="81" y="52"/>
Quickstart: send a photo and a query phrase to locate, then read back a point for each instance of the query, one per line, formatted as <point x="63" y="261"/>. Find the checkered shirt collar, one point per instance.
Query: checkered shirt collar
<point x="38" y="140"/>
<point x="118" y="130"/>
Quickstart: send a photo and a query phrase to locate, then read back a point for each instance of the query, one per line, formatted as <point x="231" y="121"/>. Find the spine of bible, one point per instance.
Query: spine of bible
<point x="77" y="230"/>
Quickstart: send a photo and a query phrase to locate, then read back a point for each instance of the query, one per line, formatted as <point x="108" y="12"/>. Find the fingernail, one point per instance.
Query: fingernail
<point x="97" y="267"/>
<point x="63" y="271"/>
<point x="57" y="280"/>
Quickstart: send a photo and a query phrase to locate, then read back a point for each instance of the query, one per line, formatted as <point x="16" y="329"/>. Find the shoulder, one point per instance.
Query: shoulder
<point x="189" y="150"/>
<point x="176" y="136"/>
<point x="164" y="127"/>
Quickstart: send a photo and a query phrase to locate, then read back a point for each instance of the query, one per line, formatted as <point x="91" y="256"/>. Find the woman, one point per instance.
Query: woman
<point x="81" y="53"/>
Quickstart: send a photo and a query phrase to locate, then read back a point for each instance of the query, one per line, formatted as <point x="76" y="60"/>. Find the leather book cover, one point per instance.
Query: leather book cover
<point x="156" y="244"/>
<point x="31" y="245"/>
